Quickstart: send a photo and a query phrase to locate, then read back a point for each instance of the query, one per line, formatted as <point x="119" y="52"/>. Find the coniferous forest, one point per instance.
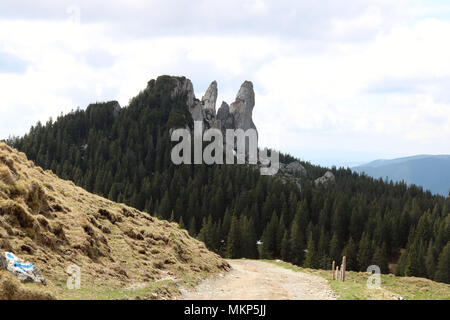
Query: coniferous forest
<point x="125" y="156"/>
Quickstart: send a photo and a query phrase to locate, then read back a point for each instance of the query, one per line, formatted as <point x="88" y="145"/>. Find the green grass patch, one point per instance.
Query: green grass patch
<point x="151" y="291"/>
<point x="355" y="285"/>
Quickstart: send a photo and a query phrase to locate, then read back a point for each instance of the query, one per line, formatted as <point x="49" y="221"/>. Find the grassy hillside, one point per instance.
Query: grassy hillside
<point x="122" y="252"/>
<point x="392" y="287"/>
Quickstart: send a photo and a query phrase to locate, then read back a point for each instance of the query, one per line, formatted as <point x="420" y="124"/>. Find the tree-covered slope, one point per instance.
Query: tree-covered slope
<point x="125" y="156"/>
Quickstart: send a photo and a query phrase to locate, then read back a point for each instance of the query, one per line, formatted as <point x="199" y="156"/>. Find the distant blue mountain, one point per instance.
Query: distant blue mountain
<point x="432" y="172"/>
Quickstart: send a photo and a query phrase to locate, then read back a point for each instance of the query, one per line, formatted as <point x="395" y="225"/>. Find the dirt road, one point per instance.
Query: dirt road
<point x="252" y="279"/>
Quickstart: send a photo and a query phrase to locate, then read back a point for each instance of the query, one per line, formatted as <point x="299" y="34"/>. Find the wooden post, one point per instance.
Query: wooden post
<point x="337" y="273"/>
<point x="344" y="266"/>
<point x="333" y="270"/>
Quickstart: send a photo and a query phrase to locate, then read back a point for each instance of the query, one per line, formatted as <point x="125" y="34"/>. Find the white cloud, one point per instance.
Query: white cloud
<point x="355" y="81"/>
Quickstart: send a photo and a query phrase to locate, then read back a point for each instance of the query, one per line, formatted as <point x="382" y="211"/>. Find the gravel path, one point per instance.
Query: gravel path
<point x="258" y="280"/>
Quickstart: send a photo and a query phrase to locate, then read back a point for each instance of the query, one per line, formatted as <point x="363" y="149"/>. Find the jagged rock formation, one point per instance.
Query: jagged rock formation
<point x="210" y="98"/>
<point x="116" y="108"/>
<point x="236" y="116"/>
<point x="242" y="107"/>
<point x="224" y="119"/>
<point x="327" y="179"/>
<point x="209" y="104"/>
<point x="293" y="172"/>
<point x="295" y="167"/>
<point x="182" y="86"/>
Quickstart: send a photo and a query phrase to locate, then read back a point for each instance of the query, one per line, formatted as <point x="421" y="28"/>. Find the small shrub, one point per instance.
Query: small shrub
<point x="6" y="176"/>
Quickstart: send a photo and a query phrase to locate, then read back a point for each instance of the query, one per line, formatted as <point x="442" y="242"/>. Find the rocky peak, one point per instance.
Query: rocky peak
<point x="245" y="95"/>
<point x="224" y="119"/>
<point x="116" y="108"/>
<point x="183" y="86"/>
<point x="210" y="98"/>
<point x="224" y="111"/>
<point x="327" y="179"/>
<point x="242" y="107"/>
<point x="236" y="116"/>
<point x="296" y="167"/>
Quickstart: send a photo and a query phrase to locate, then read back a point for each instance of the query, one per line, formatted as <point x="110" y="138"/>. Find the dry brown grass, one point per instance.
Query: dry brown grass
<point x="392" y="287"/>
<point x="53" y="224"/>
<point x="5" y="175"/>
<point x="12" y="289"/>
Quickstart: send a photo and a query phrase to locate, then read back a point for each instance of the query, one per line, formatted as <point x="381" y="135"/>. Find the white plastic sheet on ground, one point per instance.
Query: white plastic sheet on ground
<point x="23" y="270"/>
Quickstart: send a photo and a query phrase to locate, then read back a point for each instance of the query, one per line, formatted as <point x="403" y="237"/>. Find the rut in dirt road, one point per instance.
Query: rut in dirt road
<point x="258" y="280"/>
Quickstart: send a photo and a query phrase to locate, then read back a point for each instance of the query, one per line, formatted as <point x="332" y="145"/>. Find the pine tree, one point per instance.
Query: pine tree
<point x="322" y="249"/>
<point x="181" y="223"/>
<point x="192" y="227"/>
<point x="443" y="267"/>
<point x="207" y="233"/>
<point x="380" y="258"/>
<point x="335" y="250"/>
<point x="233" y="249"/>
<point x="364" y="252"/>
<point x="226" y="224"/>
<point x="248" y="238"/>
<point x="430" y="261"/>
<point x="351" y="253"/>
<point x="280" y="233"/>
<point x="269" y="238"/>
<point x="164" y="209"/>
<point x="401" y="264"/>
<point x="284" y="252"/>
<point x="311" y="260"/>
<point x="296" y="243"/>
<point x="415" y="266"/>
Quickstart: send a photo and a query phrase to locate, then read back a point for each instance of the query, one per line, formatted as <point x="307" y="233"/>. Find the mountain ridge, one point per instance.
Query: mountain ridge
<point x="432" y="172"/>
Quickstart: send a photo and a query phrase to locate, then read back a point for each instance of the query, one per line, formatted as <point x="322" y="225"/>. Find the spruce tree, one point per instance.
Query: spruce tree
<point x="335" y="250"/>
<point x="233" y="249"/>
<point x="322" y="250"/>
<point x="164" y="209"/>
<point x="430" y="261"/>
<point x="181" y="223"/>
<point x="269" y="238"/>
<point x="351" y="254"/>
<point x="364" y="252"/>
<point x="311" y="259"/>
<point x="284" y="252"/>
<point x="443" y="267"/>
<point x="192" y="227"/>
<point x="248" y="238"/>
<point x="401" y="264"/>
<point x="207" y="233"/>
<point x="296" y="243"/>
<point x="380" y="258"/>
<point x="415" y="265"/>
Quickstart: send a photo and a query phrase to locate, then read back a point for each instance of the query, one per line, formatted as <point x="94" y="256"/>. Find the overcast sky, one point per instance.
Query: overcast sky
<point x="337" y="82"/>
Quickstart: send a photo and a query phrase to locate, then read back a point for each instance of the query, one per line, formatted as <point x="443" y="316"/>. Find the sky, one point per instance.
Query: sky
<point x="336" y="82"/>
